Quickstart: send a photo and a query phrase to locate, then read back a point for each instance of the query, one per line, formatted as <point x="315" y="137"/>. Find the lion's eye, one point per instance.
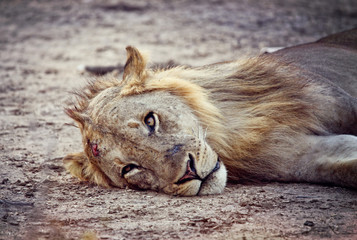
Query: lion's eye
<point x="150" y="121"/>
<point x="127" y="169"/>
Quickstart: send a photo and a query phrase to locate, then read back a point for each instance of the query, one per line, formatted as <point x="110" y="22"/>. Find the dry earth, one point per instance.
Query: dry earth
<point x="41" y="45"/>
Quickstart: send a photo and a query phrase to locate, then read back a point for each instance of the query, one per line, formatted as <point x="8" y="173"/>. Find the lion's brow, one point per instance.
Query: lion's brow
<point x="104" y="130"/>
<point x="107" y="131"/>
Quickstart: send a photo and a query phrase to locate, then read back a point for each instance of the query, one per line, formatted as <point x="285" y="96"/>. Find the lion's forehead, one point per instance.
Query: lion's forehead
<point x="110" y="105"/>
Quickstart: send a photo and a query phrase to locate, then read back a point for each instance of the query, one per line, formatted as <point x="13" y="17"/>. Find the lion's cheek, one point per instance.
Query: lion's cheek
<point x="143" y="180"/>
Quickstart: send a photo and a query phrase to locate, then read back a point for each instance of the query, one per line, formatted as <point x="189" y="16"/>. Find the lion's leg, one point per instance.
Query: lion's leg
<point x="79" y="166"/>
<point x="329" y="159"/>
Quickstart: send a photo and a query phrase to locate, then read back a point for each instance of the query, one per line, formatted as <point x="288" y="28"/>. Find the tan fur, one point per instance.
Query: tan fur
<point x="79" y="166"/>
<point x="134" y="75"/>
<point x="264" y="117"/>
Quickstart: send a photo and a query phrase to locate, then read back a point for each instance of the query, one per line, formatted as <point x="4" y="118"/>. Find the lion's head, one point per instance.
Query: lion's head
<point x="149" y="131"/>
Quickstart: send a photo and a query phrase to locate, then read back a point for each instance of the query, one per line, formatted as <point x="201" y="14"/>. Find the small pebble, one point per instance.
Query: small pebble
<point x="309" y="223"/>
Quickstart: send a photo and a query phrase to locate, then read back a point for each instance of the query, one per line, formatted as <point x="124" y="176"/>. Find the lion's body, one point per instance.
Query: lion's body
<point x="286" y="116"/>
<point x="273" y="102"/>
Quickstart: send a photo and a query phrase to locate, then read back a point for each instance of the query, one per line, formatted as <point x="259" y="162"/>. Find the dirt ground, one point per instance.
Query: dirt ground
<point x="42" y="43"/>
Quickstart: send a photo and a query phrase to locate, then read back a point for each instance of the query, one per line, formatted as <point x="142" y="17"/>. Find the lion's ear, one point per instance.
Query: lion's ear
<point x="135" y="63"/>
<point x="134" y="72"/>
<point x="79" y="166"/>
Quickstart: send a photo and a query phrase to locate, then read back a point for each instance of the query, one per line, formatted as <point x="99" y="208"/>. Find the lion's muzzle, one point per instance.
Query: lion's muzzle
<point x="191" y="172"/>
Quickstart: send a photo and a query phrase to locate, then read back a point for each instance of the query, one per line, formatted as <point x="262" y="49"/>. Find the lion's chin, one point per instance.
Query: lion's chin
<point x="215" y="182"/>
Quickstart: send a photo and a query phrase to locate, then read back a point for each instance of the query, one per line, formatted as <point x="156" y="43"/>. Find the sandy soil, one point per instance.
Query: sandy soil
<point x="41" y="45"/>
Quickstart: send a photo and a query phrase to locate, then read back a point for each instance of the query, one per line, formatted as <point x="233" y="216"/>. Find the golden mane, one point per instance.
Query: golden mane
<point x="267" y="92"/>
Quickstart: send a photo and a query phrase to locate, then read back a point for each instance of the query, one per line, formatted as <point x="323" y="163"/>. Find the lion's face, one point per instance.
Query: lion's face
<point x="144" y="139"/>
<point x="151" y="141"/>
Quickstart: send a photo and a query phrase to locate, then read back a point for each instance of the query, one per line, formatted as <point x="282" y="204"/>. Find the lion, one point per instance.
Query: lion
<point x="287" y="116"/>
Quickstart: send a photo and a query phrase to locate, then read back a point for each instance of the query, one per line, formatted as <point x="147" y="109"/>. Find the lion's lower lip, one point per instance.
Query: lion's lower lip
<point x="218" y="165"/>
<point x="215" y="169"/>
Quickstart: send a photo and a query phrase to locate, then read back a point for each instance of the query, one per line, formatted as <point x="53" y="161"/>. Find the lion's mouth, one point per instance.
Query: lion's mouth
<point x="191" y="172"/>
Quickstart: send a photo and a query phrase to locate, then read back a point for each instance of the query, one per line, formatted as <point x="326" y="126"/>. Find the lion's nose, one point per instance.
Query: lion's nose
<point x="191" y="172"/>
